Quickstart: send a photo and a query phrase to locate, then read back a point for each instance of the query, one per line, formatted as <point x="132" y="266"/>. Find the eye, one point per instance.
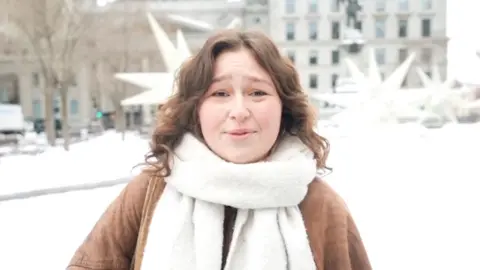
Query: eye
<point x="220" y="93"/>
<point x="258" y="93"/>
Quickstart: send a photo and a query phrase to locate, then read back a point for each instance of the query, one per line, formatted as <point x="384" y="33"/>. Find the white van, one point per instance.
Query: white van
<point x="11" y="119"/>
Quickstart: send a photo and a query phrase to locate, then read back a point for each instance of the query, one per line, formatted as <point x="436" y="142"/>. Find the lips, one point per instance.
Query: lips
<point x="240" y="132"/>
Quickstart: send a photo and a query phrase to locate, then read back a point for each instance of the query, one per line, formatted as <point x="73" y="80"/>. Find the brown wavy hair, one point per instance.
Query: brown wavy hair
<point x="179" y="114"/>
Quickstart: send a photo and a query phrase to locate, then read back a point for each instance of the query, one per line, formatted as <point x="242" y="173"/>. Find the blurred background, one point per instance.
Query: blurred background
<point x="395" y="84"/>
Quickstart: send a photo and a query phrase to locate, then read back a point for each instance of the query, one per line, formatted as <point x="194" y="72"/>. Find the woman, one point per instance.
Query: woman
<point x="232" y="179"/>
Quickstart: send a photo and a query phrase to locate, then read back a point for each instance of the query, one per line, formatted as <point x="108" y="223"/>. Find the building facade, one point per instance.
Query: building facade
<point x="307" y="31"/>
<point x="125" y="37"/>
<point x="310" y="33"/>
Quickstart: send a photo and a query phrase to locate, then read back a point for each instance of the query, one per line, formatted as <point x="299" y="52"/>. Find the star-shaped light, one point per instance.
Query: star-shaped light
<point x="160" y="85"/>
<point x="370" y="84"/>
<point x="441" y="100"/>
<point x="377" y="101"/>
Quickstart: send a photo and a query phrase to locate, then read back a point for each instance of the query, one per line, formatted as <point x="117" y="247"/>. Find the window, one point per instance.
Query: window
<point x="402" y="55"/>
<point x="290" y="6"/>
<point x="335" y="57"/>
<point x="334" y="6"/>
<point x="37" y="109"/>
<point x="35" y="79"/>
<point x="313" y="58"/>
<point x="359" y="26"/>
<point x="313" y="6"/>
<point x="312" y="30"/>
<point x="380" y="5"/>
<point x="73" y="107"/>
<point x="380" y="57"/>
<point x="4" y="95"/>
<point x="334" y="80"/>
<point x="426" y="28"/>
<point x="380" y="28"/>
<point x="335" y="30"/>
<point x="290" y="29"/>
<point x="56" y="106"/>
<point x="427" y="4"/>
<point x="313" y="81"/>
<point x="426" y="55"/>
<point x="291" y="56"/>
<point x="402" y="28"/>
<point x="403" y="5"/>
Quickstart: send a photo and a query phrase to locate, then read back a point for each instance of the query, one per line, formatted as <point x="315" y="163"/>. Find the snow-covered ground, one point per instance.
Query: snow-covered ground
<point x="103" y="158"/>
<point x="43" y="232"/>
<point x="414" y="196"/>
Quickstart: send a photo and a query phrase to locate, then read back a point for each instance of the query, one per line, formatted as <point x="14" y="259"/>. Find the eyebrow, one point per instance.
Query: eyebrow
<point x="252" y="78"/>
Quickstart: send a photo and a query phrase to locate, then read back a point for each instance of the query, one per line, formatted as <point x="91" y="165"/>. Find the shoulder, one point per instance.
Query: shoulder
<point x="331" y="229"/>
<point x="136" y="189"/>
<point x="323" y="209"/>
<point x="135" y="193"/>
<point x="322" y="199"/>
<point x="111" y="242"/>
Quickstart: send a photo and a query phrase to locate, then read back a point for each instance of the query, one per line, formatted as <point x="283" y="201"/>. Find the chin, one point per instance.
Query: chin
<point x="243" y="159"/>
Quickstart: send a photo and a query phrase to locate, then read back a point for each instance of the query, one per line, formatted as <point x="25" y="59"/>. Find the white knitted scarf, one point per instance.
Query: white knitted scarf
<point x="186" y="232"/>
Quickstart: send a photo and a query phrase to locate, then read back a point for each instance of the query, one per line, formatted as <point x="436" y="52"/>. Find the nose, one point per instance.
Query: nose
<point x="239" y="110"/>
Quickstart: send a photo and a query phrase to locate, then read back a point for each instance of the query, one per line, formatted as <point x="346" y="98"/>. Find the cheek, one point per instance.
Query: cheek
<point x="269" y="115"/>
<point x="210" y="117"/>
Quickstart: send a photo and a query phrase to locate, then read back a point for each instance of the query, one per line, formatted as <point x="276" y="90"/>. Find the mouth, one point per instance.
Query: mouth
<point x="240" y="133"/>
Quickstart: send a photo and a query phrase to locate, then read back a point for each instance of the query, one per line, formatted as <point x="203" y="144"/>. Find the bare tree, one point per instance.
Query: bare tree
<point x="125" y="30"/>
<point x="106" y="68"/>
<point x="52" y="31"/>
<point x="114" y="89"/>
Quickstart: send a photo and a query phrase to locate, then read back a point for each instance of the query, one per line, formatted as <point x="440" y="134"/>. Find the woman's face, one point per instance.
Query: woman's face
<point x="241" y="111"/>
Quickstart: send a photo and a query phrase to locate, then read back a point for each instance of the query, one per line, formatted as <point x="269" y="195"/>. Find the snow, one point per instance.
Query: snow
<point x="413" y="197"/>
<point x="44" y="232"/>
<point x="106" y="157"/>
<point x="412" y="192"/>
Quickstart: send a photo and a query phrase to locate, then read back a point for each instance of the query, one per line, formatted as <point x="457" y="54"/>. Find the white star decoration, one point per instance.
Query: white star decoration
<point x="442" y="100"/>
<point x="160" y="85"/>
<point x="378" y="101"/>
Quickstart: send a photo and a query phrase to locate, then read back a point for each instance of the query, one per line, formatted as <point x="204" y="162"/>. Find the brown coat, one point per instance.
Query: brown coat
<point x="111" y="245"/>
